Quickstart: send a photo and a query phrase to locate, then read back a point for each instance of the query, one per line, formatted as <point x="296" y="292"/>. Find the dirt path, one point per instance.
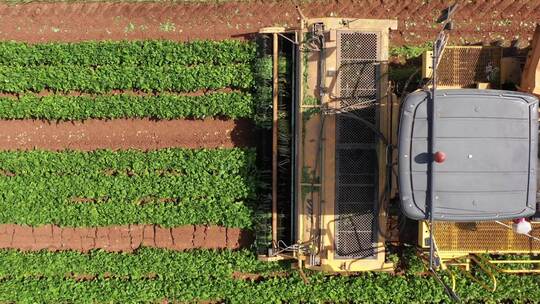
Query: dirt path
<point x="120" y="238"/>
<point x="141" y="134"/>
<point x="480" y="20"/>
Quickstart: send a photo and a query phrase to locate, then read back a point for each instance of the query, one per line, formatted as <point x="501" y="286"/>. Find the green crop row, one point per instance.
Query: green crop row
<point x="165" y="264"/>
<point x="164" y="106"/>
<point x="100" y="79"/>
<point x="168" y="187"/>
<point x="117" y="200"/>
<point x="135" y="53"/>
<point x="366" y="288"/>
<point x="168" y="162"/>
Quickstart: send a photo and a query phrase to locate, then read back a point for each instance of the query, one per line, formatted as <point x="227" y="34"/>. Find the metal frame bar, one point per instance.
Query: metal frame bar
<point x="379" y="87"/>
<point x="493" y="264"/>
<point x="438" y="50"/>
<point x="275" y="95"/>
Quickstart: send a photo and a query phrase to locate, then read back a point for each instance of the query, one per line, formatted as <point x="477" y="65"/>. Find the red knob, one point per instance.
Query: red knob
<point x="519" y="220"/>
<point x="439" y="157"/>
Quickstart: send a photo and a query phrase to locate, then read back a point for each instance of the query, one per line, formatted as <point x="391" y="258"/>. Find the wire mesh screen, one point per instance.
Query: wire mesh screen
<point x="466" y="66"/>
<point x="356" y="158"/>
<point x="357" y="46"/>
<point x="481" y="237"/>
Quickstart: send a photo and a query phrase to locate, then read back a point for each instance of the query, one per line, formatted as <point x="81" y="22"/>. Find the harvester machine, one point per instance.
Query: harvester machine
<point x="457" y="158"/>
<point x="342" y="108"/>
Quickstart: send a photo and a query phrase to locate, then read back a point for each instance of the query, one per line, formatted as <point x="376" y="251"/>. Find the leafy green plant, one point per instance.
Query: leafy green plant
<point x="163" y="106"/>
<point x="170" y="187"/>
<point x="132" y="53"/>
<point x="104" y="78"/>
<point x="165" y="264"/>
<point x="410" y="51"/>
<point x="262" y="91"/>
<point x="289" y="288"/>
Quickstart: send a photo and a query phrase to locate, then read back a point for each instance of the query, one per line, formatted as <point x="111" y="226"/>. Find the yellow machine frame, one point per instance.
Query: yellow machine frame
<point x="310" y="134"/>
<point x="466" y="67"/>
<point x="459" y="244"/>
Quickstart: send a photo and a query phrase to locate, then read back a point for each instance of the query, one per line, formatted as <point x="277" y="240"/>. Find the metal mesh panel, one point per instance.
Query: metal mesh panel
<point x="356" y="179"/>
<point x="353" y="132"/>
<point x="357" y="77"/>
<point x="483" y="237"/>
<point x="356" y="159"/>
<point x="351" y="102"/>
<point x="355" y="194"/>
<point x="355" y="217"/>
<point x="354" y="244"/>
<point x="357" y="46"/>
<point x="466" y="66"/>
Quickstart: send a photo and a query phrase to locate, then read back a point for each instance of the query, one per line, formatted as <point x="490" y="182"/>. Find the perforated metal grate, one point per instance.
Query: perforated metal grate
<point x="356" y="158"/>
<point x="354" y="244"/>
<point x="355" y="194"/>
<point x="356" y="179"/>
<point x="351" y="102"/>
<point x="353" y="132"/>
<point x="357" y="77"/>
<point x="484" y="237"/>
<point x="357" y="46"/>
<point x="355" y="217"/>
<point x="357" y="161"/>
<point x="463" y="66"/>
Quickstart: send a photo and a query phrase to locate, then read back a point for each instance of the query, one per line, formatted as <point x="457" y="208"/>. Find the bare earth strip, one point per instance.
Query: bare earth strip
<point x="143" y="134"/>
<point x="121" y="238"/>
<point x="476" y="21"/>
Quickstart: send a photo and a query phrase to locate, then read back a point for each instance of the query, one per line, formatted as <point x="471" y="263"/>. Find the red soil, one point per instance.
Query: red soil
<point x="479" y="20"/>
<point x="141" y="134"/>
<point x="120" y="238"/>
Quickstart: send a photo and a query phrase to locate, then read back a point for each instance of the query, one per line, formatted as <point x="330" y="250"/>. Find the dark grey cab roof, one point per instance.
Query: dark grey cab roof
<point x="490" y="141"/>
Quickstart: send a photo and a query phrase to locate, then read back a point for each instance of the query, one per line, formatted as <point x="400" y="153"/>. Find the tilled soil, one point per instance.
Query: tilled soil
<point x="125" y="238"/>
<point x="476" y="21"/>
<point x="143" y="134"/>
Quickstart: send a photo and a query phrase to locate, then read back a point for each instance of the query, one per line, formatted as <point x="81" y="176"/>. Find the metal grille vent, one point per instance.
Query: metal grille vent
<point x="484" y="237"/>
<point x="466" y="66"/>
<point x="357" y="77"/>
<point x="358" y="46"/>
<point x="356" y="158"/>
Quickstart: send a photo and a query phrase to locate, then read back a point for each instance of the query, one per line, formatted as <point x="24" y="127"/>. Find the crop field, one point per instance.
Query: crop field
<point x="129" y="168"/>
<point x="138" y="223"/>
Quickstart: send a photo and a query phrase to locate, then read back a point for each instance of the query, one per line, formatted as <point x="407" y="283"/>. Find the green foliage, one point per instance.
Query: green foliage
<point x="104" y="78"/>
<point x="163" y="162"/>
<point x="132" y="53"/>
<point x="310" y="100"/>
<point x="365" y="288"/>
<point x="148" y="66"/>
<point x="262" y="91"/>
<point x="164" y="106"/>
<point x="125" y="200"/>
<point x="170" y="187"/>
<point x="400" y="74"/>
<point x="410" y="51"/>
<point x="166" y="264"/>
<point x="412" y="262"/>
<point x="263" y="87"/>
